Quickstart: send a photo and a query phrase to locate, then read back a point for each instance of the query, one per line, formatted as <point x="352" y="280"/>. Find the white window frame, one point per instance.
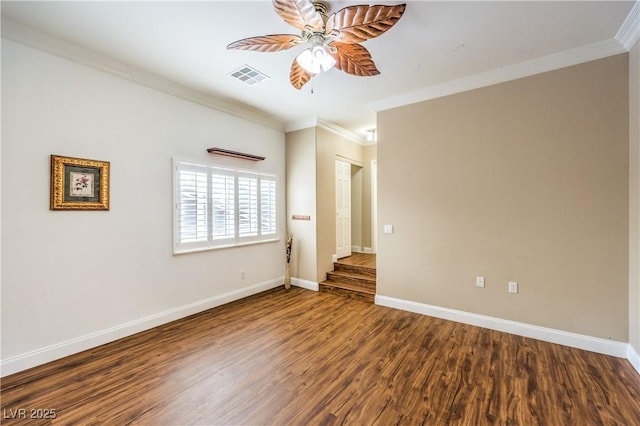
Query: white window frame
<point x="265" y="186"/>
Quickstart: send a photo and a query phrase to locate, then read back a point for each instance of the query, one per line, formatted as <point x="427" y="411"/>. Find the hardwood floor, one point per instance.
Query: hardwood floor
<point x="360" y="259"/>
<point x="299" y="357"/>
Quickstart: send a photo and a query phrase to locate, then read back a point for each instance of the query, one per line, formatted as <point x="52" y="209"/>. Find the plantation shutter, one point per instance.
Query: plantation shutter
<point x="267" y="205"/>
<point x="192" y="205"/>
<point x="222" y="204"/>
<point x="219" y="207"/>
<point x="247" y="205"/>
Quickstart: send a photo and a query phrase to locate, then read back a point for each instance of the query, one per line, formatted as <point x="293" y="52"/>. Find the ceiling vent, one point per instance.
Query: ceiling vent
<point x="249" y="75"/>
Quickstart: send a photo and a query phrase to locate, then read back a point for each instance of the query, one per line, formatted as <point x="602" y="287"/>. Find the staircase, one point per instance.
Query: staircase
<point x="353" y="277"/>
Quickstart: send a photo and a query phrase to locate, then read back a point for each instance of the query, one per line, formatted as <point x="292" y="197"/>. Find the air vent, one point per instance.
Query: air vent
<point x="249" y="75"/>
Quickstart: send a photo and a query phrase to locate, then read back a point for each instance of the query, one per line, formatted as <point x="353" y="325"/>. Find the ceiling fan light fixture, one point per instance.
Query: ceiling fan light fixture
<point x="333" y="40"/>
<point x="316" y="59"/>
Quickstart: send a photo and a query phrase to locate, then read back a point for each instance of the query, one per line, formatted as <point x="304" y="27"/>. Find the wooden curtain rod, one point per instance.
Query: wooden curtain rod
<point x="235" y="154"/>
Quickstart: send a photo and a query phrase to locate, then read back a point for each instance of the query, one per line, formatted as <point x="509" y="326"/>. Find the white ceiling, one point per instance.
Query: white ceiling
<point x="434" y="43"/>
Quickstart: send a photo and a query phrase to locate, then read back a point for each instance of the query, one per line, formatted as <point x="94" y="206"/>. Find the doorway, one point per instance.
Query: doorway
<point x="343" y="209"/>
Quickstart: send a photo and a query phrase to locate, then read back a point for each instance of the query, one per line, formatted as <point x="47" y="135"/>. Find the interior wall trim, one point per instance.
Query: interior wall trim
<point x="309" y="285"/>
<point x="629" y="31"/>
<point x="304" y="123"/>
<point x="634" y="358"/>
<point x="59" y="350"/>
<point x="332" y="127"/>
<point x="540" y="65"/>
<point x="574" y="340"/>
<point x="328" y="125"/>
<point x="12" y="30"/>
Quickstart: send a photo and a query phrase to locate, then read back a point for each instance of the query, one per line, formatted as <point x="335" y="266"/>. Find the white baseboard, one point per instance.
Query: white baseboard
<point x="589" y="343"/>
<point x="358" y="249"/>
<point x="69" y="347"/>
<point x="634" y="358"/>
<point x="309" y="285"/>
<point x="49" y="353"/>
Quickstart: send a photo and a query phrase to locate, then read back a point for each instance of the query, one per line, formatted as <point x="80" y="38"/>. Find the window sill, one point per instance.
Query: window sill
<point x="226" y="246"/>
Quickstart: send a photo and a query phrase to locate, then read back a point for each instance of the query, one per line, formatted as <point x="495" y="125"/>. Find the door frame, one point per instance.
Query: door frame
<point x="374" y="205"/>
<point x="344" y="251"/>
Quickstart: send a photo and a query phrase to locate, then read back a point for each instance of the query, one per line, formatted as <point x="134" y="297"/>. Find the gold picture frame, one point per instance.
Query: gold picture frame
<point x="79" y="184"/>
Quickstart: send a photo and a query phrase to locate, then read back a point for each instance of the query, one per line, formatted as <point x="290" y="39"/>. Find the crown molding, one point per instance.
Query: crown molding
<point x="332" y="127"/>
<point x="304" y="123"/>
<point x="629" y="31"/>
<point x="328" y="125"/>
<point x="500" y="75"/>
<point x="23" y="34"/>
<point x="624" y="40"/>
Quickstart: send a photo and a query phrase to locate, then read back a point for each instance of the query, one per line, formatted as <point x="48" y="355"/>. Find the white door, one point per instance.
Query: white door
<point x="343" y="209"/>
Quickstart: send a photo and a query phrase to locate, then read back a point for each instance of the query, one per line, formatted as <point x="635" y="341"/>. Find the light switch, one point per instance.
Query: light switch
<point x="388" y="229"/>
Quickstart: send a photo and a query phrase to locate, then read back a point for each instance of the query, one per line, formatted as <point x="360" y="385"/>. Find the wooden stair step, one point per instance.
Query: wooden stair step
<point x="352" y="278"/>
<point x="353" y="291"/>
<point x="363" y="270"/>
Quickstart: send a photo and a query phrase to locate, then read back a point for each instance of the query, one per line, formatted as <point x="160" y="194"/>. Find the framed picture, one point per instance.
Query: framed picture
<point x="79" y="184"/>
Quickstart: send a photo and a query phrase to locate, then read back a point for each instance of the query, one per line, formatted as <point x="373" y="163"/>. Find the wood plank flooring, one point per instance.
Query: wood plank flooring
<point x="299" y="357"/>
<point x="360" y="259"/>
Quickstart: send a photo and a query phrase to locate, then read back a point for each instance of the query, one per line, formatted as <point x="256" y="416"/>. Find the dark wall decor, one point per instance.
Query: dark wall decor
<point x="235" y="154"/>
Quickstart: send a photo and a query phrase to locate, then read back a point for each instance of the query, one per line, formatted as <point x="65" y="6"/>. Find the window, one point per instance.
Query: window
<point x="219" y="207"/>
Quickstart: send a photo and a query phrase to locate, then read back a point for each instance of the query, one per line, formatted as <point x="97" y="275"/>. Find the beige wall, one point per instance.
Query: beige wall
<point x="369" y="153"/>
<point x="634" y="197"/>
<point x="301" y="200"/>
<point x="523" y="181"/>
<point x="310" y="167"/>
<point x="330" y="146"/>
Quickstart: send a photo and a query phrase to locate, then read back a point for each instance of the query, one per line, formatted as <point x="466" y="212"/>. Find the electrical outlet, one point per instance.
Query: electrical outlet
<point x="479" y="281"/>
<point x="513" y="287"/>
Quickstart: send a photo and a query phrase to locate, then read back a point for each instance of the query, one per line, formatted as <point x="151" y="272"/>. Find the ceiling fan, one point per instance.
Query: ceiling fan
<point x="333" y="40"/>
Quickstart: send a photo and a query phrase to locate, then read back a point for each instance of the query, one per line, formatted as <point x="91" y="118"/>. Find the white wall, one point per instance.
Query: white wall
<point x="72" y="280"/>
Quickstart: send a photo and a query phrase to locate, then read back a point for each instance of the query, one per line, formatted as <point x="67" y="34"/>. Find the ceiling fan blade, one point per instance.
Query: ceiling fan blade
<point x="299" y="13"/>
<point x="298" y="75"/>
<point x="355" y="24"/>
<point x="268" y="43"/>
<point x="354" y="59"/>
